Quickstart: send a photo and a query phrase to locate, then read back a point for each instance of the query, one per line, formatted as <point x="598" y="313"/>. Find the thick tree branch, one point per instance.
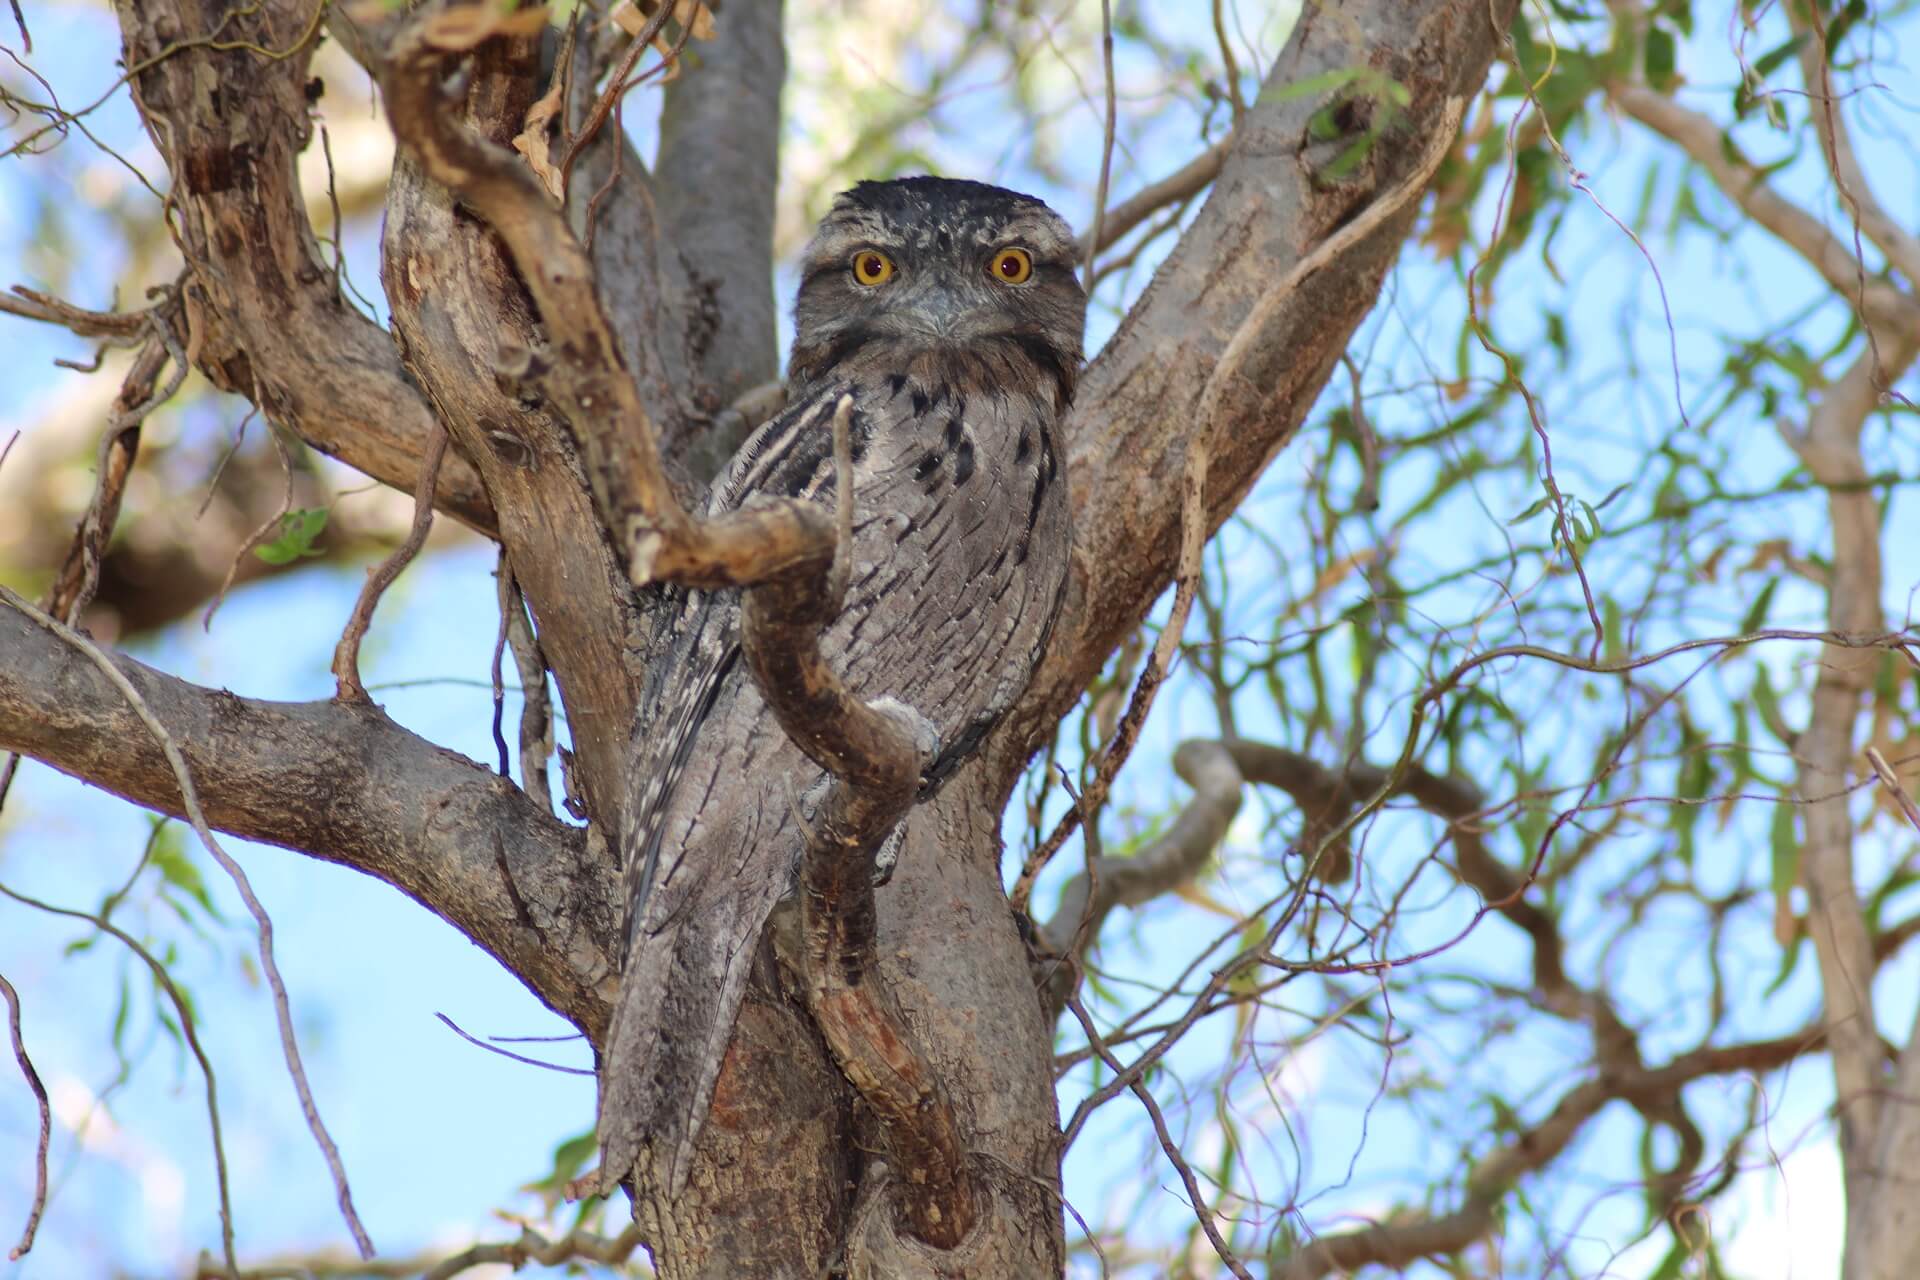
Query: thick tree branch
<point x="589" y="381"/>
<point x="266" y="321"/>
<point x="876" y="754"/>
<point x="344" y="784"/>
<point x="1829" y="446"/>
<point x="1184" y="183"/>
<point x="1825" y="105"/>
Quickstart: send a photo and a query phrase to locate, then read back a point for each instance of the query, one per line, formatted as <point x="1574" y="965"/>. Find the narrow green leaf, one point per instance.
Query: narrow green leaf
<point x="1786" y="849"/>
<point x="1757" y="615"/>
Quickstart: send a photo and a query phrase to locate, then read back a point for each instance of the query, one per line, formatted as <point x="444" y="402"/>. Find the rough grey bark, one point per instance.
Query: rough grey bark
<point x="783" y="1135"/>
<point x="716" y="179"/>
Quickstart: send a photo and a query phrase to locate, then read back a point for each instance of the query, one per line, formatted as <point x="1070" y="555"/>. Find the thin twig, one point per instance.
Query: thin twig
<point x="333" y="199"/>
<point x="460" y="1031"/>
<point x="12" y="998"/>
<point x="190" y="799"/>
<point x="346" y="654"/>
<point x="267" y="526"/>
<point x="534" y="1247"/>
<point x="1201" y="1210"/>
<point x="536" y="708"/>
<point x="1175" y="188"/>
<point x="1229" y="65"/>
<point x="182" y="1012"/>
<point x="79" y="577"/>
<point x="1227" y="372"/>
<point x="1106" y="143"/>
<point x="603" y="105"/>
<point x="499" y="655"/>
<point x="1891" y="781"/>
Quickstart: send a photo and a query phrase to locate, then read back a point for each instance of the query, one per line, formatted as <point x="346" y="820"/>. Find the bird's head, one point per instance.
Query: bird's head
<point x="938" y="264"/>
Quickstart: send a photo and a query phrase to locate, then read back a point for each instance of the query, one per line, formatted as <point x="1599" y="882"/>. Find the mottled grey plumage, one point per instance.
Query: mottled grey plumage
<point x="958" y="377"/>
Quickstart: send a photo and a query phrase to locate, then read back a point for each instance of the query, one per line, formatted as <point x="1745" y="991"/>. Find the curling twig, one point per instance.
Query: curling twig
<point x="12" y="998"/>
<point x="346" y="655"/>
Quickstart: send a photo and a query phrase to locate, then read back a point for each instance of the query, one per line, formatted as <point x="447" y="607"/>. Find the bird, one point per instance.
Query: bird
<point x="950" y="315"/>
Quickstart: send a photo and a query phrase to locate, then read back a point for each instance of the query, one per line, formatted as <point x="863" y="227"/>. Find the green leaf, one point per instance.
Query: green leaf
<point x="176" y="868"/>
<point x="298" y="529"/>
<point x="1659" y="55"/>
<point x="1786" y="850"/>
<point x="1768" y="704"/>
<point x="1757" y="615"/>
<point x="1842" y="23"/>
<point x="1770" y="61"/>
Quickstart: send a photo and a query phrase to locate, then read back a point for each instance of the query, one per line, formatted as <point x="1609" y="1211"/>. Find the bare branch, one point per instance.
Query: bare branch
<point x="1901" y="246"/>
<point x="342" y="783"/>
<point x="1138" y="404"/>
<point x="1162" y="865"/>
<point x="1228" y="371"/>
<point x="79" y="577"/>
<point x="715" y="186"/>
<point x="1094" y="238"/>
<point x="588" y="379"/>
<point x="536" y="710"/>
<point x="1183" y="184"/>
<point x="116" y="328"/>
<point x="532" y="1247"/>
<point x="39" y="1091"/>
<point x="188" y="1031"/>
<point x="1830" y="448"/>
<point x="1403" y="1241"/>
<point x="1201" y="1210"/>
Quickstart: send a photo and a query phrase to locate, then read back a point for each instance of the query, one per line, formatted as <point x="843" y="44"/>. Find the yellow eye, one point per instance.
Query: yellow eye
<point x="1011" y="266"/>
<point x="871" y="267"/>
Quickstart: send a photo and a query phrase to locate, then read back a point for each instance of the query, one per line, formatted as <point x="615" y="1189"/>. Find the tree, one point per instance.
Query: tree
<point x="1498" y="732"/>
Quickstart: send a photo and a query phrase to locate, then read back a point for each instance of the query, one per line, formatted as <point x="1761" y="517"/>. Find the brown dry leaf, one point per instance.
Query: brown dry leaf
<point x="695" y="16"/>
<point x="1785" y="928"/>
<point x="632" y="17"/>
<point x="458" y="30"/>
<point x="534" y="140"/>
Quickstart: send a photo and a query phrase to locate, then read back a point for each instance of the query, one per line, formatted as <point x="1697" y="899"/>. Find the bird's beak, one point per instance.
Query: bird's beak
<point x="946" y="309"/>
